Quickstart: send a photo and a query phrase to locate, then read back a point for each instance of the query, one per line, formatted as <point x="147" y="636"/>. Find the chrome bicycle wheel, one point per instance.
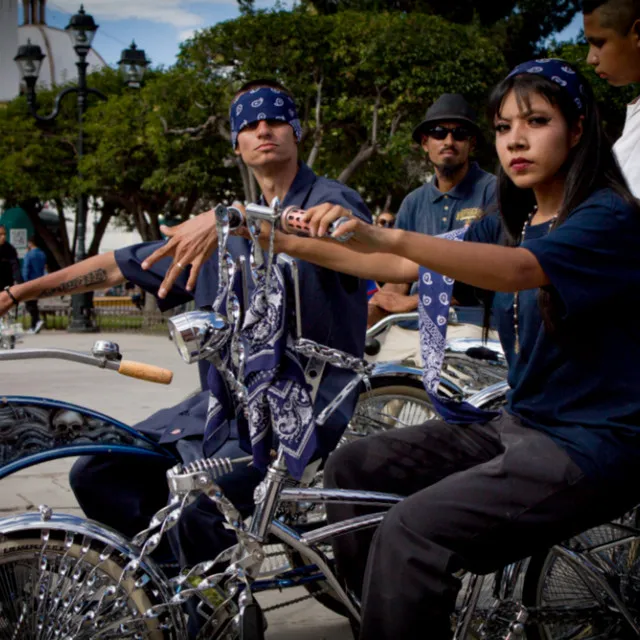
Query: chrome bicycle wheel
<point x="567" y="604"/>
<point x="71" y="585"/>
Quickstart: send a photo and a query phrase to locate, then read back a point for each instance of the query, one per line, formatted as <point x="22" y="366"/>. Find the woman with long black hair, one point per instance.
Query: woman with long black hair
<point x="563" y="260"/>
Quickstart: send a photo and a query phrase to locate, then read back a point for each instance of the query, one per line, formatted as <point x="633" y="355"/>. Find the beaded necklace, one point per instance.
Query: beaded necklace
<point x="516" y="298"/>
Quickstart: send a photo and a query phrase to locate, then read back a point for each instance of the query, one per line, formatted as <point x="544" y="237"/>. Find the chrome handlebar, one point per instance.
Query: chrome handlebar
<point x="105" y="355"/>
<point x="385" y="323"/>
<point x="97" y="358"/>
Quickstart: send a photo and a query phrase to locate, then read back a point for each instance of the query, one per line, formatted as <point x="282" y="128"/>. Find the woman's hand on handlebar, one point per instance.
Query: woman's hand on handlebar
<point x="367" y="238"/>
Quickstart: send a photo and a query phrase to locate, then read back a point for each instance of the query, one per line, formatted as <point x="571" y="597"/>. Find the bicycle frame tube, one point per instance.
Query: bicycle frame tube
<point x="399" y="370"/>
<point x="35" y="430"/>
<point x="291" y="538"/>
<point x="489" y="394"/>
<point x="342" y="496"/>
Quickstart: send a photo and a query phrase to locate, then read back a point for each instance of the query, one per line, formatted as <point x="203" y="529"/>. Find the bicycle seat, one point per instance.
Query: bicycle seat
<point x="483" y="353"/>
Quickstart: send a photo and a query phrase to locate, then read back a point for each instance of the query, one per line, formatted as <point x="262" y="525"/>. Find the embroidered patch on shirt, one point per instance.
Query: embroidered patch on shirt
<point x="470" y="214"/>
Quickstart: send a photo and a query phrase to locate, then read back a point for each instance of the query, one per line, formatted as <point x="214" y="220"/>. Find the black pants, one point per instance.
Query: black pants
<point x="34" y="312"/>
<point x="124" y="492"/>
<point x="479" y="497"/>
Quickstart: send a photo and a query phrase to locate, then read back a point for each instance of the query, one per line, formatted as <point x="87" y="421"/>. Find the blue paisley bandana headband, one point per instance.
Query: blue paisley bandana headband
<point x="262" y="103"/>
<point x="557" y="71"/>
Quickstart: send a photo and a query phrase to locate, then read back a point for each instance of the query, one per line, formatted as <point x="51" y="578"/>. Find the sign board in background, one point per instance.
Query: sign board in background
<point x="18" y="238"/>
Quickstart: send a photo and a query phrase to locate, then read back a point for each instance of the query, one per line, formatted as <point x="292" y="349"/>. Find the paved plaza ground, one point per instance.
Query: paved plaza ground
<point x="130" y="401"/>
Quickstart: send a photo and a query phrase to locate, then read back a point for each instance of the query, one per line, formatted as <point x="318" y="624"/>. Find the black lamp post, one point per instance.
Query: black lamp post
<point x="133" y="64"/>
<point x="82" y="30"/>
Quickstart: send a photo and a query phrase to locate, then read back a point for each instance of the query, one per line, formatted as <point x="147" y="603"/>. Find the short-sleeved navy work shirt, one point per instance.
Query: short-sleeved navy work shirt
<point x="334" y="305"/>
<point x="581" y="386"/>
<point x="428" y="210"/>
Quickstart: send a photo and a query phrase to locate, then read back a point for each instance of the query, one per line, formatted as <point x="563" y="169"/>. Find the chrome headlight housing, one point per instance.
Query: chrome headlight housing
<point x="198" y="333"/>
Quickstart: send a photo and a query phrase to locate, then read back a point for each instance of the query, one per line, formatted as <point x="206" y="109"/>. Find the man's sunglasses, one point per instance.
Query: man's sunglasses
<point x="460" y="134"/>
<point x="385" y="223"/>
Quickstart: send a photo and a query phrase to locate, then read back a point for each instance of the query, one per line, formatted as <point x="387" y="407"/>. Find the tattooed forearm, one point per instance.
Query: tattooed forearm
<point x="87" y="280"/>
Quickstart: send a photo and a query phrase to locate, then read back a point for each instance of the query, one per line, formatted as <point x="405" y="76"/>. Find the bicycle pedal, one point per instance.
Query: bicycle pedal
<point x="252" y="622"/>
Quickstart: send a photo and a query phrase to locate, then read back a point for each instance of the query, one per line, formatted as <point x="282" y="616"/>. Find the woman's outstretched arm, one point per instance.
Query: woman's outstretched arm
<point x="486" y="266"/>
<point x="383" y="267"/>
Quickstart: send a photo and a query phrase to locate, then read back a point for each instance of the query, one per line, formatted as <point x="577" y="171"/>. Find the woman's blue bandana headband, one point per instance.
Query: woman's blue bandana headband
<point x="263" y="103"/>
<point x="557" y="71"/>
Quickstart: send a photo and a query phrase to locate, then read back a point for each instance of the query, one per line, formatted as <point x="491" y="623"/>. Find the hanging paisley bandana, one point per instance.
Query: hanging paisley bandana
<point x="557" y="71"/>
<point x="435" y="293"/>
<point x="279" y="399"/>
<point x="263" y="103"/>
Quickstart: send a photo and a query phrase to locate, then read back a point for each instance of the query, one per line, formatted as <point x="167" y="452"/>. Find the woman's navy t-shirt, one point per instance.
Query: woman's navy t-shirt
<point x="581" y="386"/>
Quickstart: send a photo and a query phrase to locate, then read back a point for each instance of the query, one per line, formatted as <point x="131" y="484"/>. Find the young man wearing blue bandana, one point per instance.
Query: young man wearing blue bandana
<point x="124" y="492"/>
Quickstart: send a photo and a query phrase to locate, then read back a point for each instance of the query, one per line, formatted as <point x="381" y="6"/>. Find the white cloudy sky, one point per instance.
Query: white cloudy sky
<point x="158" y="26"/>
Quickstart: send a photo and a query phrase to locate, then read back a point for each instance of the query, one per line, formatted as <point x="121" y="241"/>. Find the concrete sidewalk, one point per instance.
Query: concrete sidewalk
<point x="130" y="401"/>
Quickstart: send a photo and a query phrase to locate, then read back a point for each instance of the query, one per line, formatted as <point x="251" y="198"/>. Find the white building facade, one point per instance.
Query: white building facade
<point x="59" y="65"/>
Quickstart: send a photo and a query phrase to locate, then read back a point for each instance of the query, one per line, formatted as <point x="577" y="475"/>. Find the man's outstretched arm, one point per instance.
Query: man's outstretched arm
<point x="92" y="274"/>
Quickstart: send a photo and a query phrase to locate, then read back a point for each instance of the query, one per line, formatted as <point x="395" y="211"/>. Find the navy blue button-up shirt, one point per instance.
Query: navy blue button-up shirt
<point x="429" y="210"/>
<point x="334" y="305"/>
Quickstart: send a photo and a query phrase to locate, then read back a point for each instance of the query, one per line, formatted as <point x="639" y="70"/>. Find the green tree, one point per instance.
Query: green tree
<point x="39" y="163"/>
<point x="522" y="26"/>
<point x="153" y="156"/>
<point x="361" y="80"/>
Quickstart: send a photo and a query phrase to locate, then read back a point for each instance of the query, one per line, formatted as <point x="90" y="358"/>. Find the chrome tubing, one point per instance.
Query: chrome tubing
<point x="266" y="497"/>
<point x="340" y="496"/>
<point x="483" y="397"/>
<point x="292" y="539"/>
<point x="59" y="354"/>
<point x="385" y="323"/>
<point x="340" y="528"/>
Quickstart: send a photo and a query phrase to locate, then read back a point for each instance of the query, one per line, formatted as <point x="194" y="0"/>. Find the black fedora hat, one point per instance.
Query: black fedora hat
<point x="449" y="107"/>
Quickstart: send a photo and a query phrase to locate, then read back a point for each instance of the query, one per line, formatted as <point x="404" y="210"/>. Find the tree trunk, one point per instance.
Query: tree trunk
<point x="362" y="157"/>
<point x="151" y="313"/>
<point x="64" y="236"/>
<point x="318" y="133"/>
<point x="107" y="212"/>
<point x="33" y="210"/>
<point x="154" y="225"/>
<point x="192" y="199"/>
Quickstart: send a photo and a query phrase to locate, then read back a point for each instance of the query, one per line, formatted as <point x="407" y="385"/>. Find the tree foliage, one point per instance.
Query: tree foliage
<point x="39" y="162"/>
<point x="521" y="25"/>
<point x="142" y="165"/>
<point x="362" y="80"/>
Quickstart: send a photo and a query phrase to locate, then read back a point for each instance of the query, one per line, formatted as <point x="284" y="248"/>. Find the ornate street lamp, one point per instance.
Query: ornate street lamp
<point x="82" y="29"/>
<point x="29" y="61"/>
<point x="133" y="63"/>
